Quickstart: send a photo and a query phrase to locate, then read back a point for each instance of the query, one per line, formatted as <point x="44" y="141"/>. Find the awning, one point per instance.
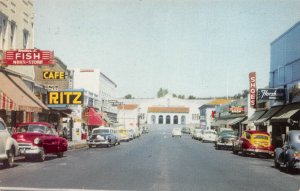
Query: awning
<point x="94" y="118"/>
<point x="256" y="115"/>
<point x="107" y="119"/>
<point x="270" y="113"/>
<point x="24" y="99"/>
<point x="286" y="113"/>
<point x="235" y="120"/>
<point x="219" y="123"/>
<point x="6" y="103"/>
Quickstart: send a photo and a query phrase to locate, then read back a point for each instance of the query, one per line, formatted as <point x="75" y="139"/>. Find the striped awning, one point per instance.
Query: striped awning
<point x="6" y="103"/>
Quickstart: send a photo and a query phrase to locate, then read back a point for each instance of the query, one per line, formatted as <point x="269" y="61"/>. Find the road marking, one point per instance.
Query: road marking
<point x="48" y="189"/>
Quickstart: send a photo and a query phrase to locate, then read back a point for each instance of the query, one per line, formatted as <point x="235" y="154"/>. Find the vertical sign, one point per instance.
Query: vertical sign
<point x="252" y="79"/>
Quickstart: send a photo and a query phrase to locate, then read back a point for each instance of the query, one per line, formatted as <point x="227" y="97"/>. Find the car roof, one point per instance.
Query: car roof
<point x="257" y="132"/>
<point x="35" y="123"/>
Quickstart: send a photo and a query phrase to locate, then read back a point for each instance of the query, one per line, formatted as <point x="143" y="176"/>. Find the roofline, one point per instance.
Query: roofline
<point x="283" y="34"/>
<point x="108" y="79"/>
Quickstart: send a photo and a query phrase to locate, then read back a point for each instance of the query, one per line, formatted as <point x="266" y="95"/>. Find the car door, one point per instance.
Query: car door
<point x="3" y="138"/>
<point x="50" y="141"/>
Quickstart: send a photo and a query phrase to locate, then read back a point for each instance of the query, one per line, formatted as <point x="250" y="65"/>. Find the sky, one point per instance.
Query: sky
<point x="193" y="47"/>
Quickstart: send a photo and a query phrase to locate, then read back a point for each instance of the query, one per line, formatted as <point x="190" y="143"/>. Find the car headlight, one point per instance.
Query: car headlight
<point x="37" y="141"/>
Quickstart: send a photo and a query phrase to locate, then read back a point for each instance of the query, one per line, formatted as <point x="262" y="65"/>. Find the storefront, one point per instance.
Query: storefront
<point x="285" y="120"/>
<point x="249" y="123"/>
<point x="18" y="103"/>
<point x="263" y="123"/>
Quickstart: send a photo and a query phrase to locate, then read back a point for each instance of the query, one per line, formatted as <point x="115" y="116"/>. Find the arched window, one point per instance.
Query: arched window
<point x="175" y="119"/>
<point x="183" y="119"/>
<point x="153" y="119"/>
<point x="160" y="119"/>
<point x="168" y="119"/>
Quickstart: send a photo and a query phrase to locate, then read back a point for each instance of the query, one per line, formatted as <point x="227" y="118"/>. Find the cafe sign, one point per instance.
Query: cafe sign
<point x="51" y="75"/>
<point x="271" y="94"/>
<point x="236" y="109"/>
<point x="28" y="57"/>
<point x="65" y="97"/>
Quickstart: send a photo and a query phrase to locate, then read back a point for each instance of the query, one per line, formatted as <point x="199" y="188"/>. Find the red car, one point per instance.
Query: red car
<point x="37" y="139"/>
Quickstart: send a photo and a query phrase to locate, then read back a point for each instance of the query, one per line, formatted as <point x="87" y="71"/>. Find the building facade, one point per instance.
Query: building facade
<point x="95" y="81"/>
<point x="17" y="30"/>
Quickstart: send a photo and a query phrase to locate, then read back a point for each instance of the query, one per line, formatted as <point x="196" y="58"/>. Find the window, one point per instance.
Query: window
<point x="168" y="119"/>
<point x="175" y="119"/>
<point x="183" y="119"/>
<point x="12" y="34"/>
<point x="248" y="136"/>
<point x="2" y="126"/>
<point x="25" y="38"/>
<point x="160" y="119"/>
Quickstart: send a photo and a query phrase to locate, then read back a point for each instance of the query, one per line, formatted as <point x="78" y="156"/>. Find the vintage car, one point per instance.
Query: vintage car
<point x="176" y="132"/>
<point x="253" y="142"/>
<point x="8" y="146"/>
<point x="197" y="134"/>
<point x="209" y="136"/>
<point x="102" y="136"/>
<point x="225" y="139"/>
<point x="289" y="155"/>
<point x="37" y="139"/>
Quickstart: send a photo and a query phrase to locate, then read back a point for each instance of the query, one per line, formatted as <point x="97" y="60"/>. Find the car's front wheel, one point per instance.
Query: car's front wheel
<point x="41" y="156"/>
<point x="9" y="162"/>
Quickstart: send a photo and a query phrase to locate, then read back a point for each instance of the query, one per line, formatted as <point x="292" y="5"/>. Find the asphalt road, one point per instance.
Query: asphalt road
<point x="156" y="161"/>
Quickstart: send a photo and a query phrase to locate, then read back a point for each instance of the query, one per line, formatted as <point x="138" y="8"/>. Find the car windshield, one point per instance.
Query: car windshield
<point x="101" y="131"/>
<point x="228" y="133"/>
<point x="31" y="128"/>
<point x="122" y="131"/>
<point x="263" y="137"/>
<point x="210" y="132"/>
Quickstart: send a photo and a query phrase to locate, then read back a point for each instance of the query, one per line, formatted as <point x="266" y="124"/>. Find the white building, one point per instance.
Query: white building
<point x="95" y="81"/>
<point x="128" y="115"/>
<point x="17" y="30"/>
<point x="167" y="110"/>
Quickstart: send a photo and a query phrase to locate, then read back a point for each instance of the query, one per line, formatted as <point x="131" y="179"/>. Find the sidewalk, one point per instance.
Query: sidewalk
<point x="77" y="144"/>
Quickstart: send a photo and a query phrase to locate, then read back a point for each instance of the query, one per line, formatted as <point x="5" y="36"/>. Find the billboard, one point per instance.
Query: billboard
<point x="28" y="57"/>
<point x="271" y="94"/>
<point x="252" y="89"/>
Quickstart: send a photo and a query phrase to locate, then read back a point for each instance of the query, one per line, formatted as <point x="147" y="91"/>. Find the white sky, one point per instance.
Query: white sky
<point x="185" y="46"/>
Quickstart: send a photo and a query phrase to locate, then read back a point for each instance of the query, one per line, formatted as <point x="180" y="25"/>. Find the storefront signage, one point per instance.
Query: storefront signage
<point x="271" y="94"/>
<point x="28" y="57"/>
<point x="51" y="75"/>
<point x="236" y="109"/>
<point x="65" y="97"/>
<point x="52" y="87"/>
<point x="252" y="90"/>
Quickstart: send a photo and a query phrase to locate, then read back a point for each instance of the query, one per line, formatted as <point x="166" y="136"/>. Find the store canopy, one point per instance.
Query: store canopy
<point x="256" y="115"/>
<point x="235" y="120"/>
<point x="219" y="123"/>
<point x="94" y="118"/>
<point x="14" y="91"/>
<point x="270" y="113"/>
<point x="286" y="113"/>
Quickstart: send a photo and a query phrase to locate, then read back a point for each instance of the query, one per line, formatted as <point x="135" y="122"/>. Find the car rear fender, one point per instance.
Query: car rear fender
<point x="278" y="151"/>
<point x="12" y="144"/>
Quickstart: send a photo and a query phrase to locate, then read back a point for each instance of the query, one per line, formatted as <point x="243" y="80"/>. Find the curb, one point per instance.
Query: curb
<point x="77" y="146"/>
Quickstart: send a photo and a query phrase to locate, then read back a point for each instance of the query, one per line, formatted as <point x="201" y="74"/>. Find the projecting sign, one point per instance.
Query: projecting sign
<point x="236" y="109"/>
<point x="252" y="79"/>
<point x="51" y="75"/>
<point x="28" y="57"/>
<point x="271" y="94"/>
<point x="65" y="97"/>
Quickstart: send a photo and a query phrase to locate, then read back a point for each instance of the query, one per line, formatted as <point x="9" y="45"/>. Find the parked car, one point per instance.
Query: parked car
<point x="186" y="130"/>
<point x="102" y="136"/>
<point x="225" y="139"/>
<point x="113" y="131"/>
<point x="209" y="136"/>
<point x="197" y="134"/>
<point x="253" y="142"/>
<point x="37" y="139"/>
<point x="124" y="134"/>
<point x="8" y="146"/>
<point x="176" y="132"/>
<point x="145" y="130"/>
<point x="289" y="155"/>
<point x="130" y="134"/>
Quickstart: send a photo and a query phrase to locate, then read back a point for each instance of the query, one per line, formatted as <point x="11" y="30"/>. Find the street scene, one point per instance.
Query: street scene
<point x="149" y="95"/>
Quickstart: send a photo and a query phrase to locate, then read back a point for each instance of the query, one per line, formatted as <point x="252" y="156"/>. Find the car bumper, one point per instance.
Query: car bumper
<point x="259" y="151"/>
<point x="95" y="143"/>
<point x="33" y="150"/>
<point x="228" y="144"/>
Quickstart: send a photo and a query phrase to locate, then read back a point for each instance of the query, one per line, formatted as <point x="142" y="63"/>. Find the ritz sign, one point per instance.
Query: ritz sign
<point x="65" y="97"/>
<point x="28" y="57"/>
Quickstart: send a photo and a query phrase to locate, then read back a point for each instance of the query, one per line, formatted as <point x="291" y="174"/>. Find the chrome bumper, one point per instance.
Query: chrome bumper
<point x="105" y="142"/>
<point x="29" y="149"/>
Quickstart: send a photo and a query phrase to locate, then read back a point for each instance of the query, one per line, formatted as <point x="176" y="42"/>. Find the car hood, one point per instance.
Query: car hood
<point x="228" y="137"/>
<point x="26" y="137"/>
